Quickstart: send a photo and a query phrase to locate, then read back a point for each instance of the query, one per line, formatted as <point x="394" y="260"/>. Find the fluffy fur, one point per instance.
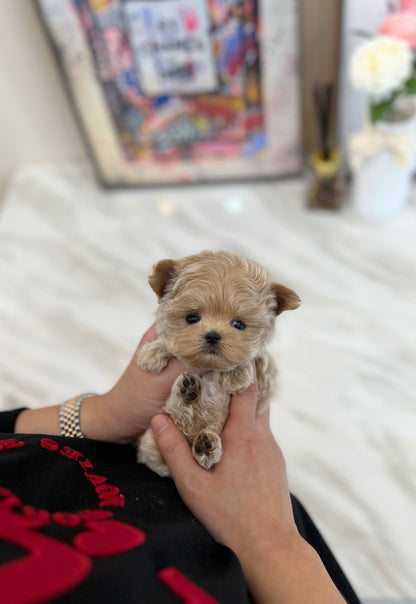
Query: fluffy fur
<point x="203" y="301"/>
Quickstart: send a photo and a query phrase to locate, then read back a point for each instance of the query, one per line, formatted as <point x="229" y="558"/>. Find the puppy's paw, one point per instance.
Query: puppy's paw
<point x="153" y="357"/>
<point x="207" y="448"/>
<point x="237" y="380"/>
<point x="189" y="388"/>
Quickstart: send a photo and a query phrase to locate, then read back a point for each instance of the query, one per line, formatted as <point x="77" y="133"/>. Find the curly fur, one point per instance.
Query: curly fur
<point x="220" y="287"/>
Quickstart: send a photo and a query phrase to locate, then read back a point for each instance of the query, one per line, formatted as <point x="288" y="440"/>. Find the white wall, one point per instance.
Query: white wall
<point x="36" y="120"/>
<point x="357" y="16"/>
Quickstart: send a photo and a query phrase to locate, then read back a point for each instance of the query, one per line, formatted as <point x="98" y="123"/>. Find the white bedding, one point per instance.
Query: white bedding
<point x="74" y="300"/>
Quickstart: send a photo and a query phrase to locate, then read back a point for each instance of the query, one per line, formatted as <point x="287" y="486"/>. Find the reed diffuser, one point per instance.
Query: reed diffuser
<point x="325" y="162"/>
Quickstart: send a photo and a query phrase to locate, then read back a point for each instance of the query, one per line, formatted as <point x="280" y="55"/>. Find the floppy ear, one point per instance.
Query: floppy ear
<point x="163" y="272"/>
<point x="286" y="298"/>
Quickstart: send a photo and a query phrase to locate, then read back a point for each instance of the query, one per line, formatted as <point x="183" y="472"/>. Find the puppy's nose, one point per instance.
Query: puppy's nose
<point x="212" y="338"/>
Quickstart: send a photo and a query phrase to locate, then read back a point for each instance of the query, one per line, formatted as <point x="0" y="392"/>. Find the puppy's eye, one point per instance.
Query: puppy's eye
<point x="194" y="317"/>
<point x="238" y="325"/>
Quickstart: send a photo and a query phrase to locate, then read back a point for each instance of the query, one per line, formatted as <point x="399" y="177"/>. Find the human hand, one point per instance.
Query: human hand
<point x="244" y="499"/>
<point x="126" y="410"/>
<point x="122" y="414"/>
<point x="244" y="502"/>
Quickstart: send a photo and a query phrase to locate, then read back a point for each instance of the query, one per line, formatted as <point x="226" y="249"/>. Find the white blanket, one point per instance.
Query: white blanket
<point x="74" y="301"/>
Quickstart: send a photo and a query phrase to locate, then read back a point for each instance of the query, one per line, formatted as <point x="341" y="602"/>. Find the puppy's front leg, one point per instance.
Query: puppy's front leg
<point x="237" y="380"/>
<point x="193" y="417"/>
<point x="154" y="357"/>
<point x="184" y="398"/>
<point x="207" y="448"/>
<point x="180" y="406"/>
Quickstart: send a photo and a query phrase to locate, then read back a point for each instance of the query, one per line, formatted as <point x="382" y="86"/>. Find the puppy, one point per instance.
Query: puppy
<point x="216" y="313"/>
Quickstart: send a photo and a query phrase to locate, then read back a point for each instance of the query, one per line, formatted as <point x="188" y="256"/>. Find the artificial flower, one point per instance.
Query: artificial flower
<point x="401" y="25"/>
<point x="385" y="68"/>
<point x="381" y="66"/>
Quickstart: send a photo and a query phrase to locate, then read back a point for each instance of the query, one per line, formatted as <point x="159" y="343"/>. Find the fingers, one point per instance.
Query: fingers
<point x="264" y="417"/>
<point x="243" y="413"/>
<point x="149" y="336"/>
<point x="243" y="406"/>
<point x="174" y="448"/>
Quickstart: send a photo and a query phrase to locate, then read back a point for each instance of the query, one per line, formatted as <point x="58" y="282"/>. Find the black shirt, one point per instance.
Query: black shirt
<point x="82" y="522"/>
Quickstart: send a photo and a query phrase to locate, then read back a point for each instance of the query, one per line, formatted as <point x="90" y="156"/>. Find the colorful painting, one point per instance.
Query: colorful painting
<point x="172" y="46"/>
<point x="180" y="90"/>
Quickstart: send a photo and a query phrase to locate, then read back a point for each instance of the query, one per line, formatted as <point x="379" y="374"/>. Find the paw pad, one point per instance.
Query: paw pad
<point x="203" y="445"/>
<point x="207" y="449"/>
<point x="190" y="389"/>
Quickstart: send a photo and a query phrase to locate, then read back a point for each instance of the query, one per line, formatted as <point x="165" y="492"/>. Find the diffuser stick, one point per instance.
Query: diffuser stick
<point x="325" y="162"/>
<point x="323" y="94"/>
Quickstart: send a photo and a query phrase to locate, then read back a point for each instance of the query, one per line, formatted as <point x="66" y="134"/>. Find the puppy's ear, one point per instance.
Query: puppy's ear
<point x="286" y="298"/>
<point x="163" y="272"/>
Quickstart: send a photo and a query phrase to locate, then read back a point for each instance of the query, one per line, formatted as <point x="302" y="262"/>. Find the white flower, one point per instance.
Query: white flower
<point x="381" y="65"/>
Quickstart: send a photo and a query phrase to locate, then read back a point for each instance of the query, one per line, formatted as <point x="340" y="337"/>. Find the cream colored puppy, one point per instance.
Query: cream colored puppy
<point x="216" y="313"/>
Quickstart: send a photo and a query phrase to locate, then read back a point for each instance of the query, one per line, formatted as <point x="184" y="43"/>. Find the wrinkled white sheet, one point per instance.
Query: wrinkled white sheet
<point x="74" y="301"/>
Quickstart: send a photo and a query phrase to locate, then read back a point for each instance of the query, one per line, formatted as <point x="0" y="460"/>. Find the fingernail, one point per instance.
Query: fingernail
<point x="159" y="423"/>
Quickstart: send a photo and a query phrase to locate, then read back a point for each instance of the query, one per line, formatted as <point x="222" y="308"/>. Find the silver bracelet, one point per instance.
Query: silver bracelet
<point x="69" y="416"/>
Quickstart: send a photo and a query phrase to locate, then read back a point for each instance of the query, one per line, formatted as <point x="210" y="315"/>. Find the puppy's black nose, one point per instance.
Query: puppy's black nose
<point x="212" y="338"/>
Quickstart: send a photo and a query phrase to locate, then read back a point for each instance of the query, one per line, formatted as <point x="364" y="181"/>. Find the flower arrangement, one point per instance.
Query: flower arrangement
<point x="385" y="68"/>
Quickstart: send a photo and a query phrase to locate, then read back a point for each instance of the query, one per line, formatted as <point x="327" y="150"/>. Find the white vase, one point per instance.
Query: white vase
<point x="381" y="185"/>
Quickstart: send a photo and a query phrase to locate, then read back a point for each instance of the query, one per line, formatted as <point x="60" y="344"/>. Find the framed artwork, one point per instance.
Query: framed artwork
<point x="176" y="91"/>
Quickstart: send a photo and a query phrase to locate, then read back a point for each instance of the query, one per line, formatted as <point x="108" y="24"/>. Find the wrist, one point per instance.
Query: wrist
<point x="275" y="546"/>
<point x="69" y="413"/>
<point x="288" y="571"/>
<point x="97" y="419"/>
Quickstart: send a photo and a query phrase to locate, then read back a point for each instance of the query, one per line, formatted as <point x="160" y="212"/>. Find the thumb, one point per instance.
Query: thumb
<point x="173" y="446"/>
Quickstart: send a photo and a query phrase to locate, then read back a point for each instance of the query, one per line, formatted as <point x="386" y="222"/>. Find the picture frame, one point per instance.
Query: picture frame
<point x="182" y="91"/>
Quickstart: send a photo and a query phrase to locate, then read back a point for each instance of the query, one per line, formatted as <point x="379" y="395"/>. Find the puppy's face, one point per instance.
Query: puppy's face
<point x="216" y="311"/>
<point x="215" y="324"/>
